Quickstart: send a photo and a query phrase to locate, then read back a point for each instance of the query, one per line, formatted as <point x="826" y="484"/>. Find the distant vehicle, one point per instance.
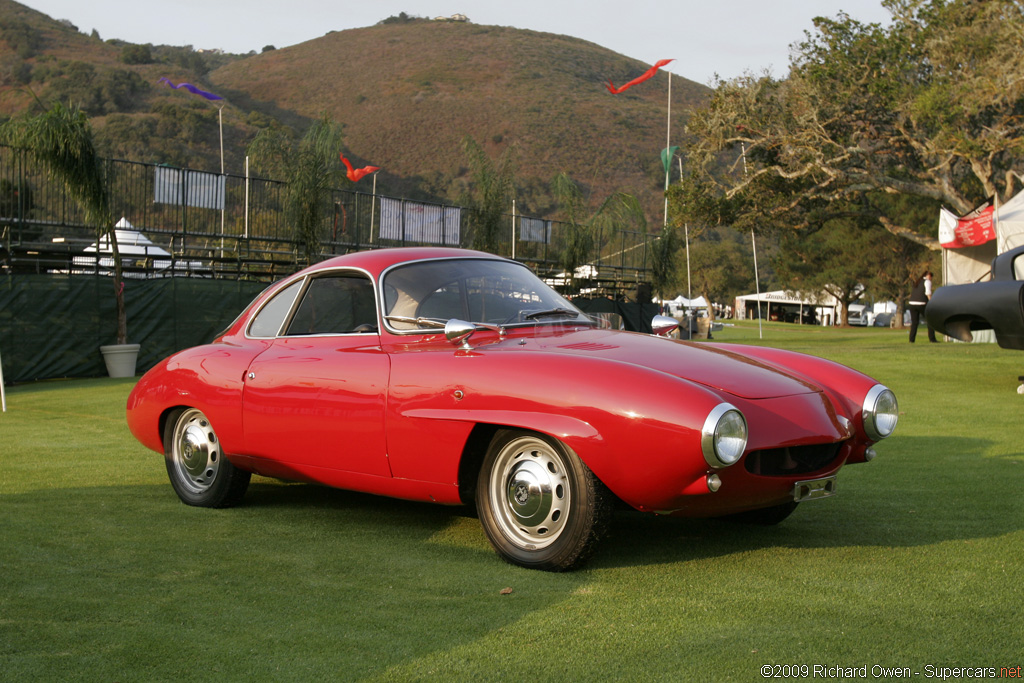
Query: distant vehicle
<point x="959" y="310"/>
<point x="861" y="315"/>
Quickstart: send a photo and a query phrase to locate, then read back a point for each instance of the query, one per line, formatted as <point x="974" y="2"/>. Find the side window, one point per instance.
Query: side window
<point x="335" y="304"/>
<point x="268" y="321"/>
<point x="1018" y="268"/>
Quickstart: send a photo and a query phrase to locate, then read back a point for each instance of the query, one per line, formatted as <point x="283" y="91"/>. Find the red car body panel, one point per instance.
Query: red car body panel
<point x="393" y="412"/>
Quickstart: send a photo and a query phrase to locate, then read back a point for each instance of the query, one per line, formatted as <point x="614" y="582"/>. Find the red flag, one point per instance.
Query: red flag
<point x="357" y="174"/>
<point x="639" y="79"/>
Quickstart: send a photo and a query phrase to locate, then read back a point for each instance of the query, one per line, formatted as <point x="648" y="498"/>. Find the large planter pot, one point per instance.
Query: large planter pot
<point x="120" y="359"/>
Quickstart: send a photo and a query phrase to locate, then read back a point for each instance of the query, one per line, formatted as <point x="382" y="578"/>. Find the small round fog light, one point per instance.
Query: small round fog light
<point x="714" y="482"/>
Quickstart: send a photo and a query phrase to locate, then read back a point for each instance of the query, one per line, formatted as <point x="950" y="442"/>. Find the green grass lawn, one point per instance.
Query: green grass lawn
<point x="918" y="562"/>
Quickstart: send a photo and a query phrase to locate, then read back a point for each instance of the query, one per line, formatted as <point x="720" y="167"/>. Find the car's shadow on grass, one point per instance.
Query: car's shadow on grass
<point x="955" y="492"/>
<point x="958" y="492"/>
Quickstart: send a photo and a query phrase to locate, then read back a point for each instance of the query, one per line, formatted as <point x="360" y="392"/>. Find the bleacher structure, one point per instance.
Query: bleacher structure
<point x="185" y="223"/>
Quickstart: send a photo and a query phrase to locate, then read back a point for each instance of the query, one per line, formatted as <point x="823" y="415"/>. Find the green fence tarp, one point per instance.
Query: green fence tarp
<point x="53" y="325"/>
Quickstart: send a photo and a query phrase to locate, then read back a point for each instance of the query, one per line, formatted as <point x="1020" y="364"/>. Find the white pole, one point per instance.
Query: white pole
<point x="513" y="230"/>
<point x="753" y="245"/>
<point x="223" y="206"/>
<point x="757" y="284"/>
<point x="686" y="228"/>
<point x="373" y="205"/>
<point x="668" y="139"/>
<point x="3" y="395"/>
<point x="246" y="196"/>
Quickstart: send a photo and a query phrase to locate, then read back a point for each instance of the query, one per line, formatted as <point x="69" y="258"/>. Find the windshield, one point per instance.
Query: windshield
<point x="475" y="290"/>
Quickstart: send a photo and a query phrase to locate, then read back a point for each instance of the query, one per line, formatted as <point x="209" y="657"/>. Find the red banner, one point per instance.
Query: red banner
<point x="971" y="230"/>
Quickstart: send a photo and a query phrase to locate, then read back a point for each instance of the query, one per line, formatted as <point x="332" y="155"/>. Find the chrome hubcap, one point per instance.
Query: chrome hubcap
<point x="530" y="492"/>
<point x="196" y="451"/>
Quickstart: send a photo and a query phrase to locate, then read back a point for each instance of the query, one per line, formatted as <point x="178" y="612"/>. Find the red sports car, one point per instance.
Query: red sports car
<point x="460" y="377"/>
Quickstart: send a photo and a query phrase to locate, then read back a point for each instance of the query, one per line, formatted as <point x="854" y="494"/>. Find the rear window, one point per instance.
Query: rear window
<point x="269" y="320"/>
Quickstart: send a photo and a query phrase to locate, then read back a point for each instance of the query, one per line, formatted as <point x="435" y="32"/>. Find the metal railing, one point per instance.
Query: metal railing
<point x="225" y="225"/>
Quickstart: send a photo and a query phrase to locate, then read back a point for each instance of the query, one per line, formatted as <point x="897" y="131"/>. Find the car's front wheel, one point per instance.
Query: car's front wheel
<point x="540" y="505"/>
<point x="198" y="470"/>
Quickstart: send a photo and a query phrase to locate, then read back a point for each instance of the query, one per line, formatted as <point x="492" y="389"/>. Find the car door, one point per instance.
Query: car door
<point x="316" y="396"/>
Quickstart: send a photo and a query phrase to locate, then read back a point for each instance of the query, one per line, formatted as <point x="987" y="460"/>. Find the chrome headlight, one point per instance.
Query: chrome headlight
<point x="724" y="436"/>
<point x="881" y="412"/>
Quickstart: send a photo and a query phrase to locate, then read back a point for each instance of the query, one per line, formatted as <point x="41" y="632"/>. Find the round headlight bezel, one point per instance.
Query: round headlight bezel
<point x="723" y="438"/>
<point x="880" y="412"/>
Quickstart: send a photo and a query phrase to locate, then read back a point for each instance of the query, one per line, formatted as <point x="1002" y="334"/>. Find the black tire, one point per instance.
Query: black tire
<point x="539" y="505"/>
<point x="198" y="470"/>
<point x="764" y="516"/>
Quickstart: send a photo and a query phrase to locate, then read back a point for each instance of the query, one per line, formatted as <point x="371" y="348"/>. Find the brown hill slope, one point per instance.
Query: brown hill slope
<point x="409" y="93"/>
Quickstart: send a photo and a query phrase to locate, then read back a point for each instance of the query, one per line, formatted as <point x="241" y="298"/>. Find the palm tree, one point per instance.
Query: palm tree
<point x="310" y="169"/>
<point x="664" y="269"/>
<point x="61" y="139"/>
<point x="489" y="195"/>
<point x="582" y="232"/>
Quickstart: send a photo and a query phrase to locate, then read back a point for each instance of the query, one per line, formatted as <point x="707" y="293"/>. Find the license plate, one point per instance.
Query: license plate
<point x="813" y="489"/>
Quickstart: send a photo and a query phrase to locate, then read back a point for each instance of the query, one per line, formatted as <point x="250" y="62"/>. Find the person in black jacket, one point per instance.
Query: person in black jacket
<point x="919" y="297"/>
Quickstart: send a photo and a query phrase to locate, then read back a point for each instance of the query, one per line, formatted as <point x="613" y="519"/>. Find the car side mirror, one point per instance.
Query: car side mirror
<point x="458" y="332"/>
<point x="662" y="325"/>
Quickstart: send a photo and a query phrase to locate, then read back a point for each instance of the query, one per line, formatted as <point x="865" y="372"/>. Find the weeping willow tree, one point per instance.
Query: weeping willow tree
<point x="310" y="168"/>
<point x="583" y="228"/>
<point x="61" y="140"/>
<point x="489" y="195"/>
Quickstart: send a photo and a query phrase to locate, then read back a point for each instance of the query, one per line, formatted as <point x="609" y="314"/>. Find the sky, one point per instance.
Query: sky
<point x="706" y="37"/>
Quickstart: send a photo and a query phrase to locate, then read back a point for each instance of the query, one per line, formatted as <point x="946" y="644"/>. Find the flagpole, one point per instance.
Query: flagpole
<point x="668" y="142"/>
<point x="689" y="293"/>
<point x="246" y="196"/>
<point x="373" y="205"/>
<point x="753" y="246"/>
<point x="3" y="395"/>
<point x="223" y="205"/>
<point x="513" y="230"/>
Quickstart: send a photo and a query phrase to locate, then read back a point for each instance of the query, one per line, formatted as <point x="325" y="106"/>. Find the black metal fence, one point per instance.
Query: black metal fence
<point x="185" y="222"/>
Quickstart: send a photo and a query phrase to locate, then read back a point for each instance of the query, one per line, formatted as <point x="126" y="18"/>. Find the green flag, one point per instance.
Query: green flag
<point x="666" y="156"/>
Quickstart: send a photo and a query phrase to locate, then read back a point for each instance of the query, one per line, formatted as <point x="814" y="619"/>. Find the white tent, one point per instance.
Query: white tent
<point x="680" y="304"/>
<point x="134" y="248"/>
<point x="967" y="264"/>
<point x="780" y="302"/>
<point x="962" y="264"/>
<point x="1010" y="224"/>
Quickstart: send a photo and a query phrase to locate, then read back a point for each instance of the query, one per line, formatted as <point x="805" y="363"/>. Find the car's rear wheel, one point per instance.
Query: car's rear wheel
<point x="196" y="466"/>
<point x="540" y="506"/>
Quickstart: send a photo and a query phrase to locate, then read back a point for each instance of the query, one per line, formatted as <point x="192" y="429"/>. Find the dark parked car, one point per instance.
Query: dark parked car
<point x="959" y="310"/>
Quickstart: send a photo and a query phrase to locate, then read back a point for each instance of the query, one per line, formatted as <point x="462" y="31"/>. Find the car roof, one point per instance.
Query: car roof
<point x="378" y="260"/>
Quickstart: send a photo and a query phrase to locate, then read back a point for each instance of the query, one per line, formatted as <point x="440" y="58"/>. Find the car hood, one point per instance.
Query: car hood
<point x="727" y="370"/>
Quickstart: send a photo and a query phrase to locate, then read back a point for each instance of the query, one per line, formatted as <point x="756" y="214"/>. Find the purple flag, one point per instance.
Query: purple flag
<point x="192" y="89"/>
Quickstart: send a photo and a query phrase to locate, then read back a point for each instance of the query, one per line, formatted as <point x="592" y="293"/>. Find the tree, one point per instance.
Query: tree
<point x="664" y="253"/>
<point x="136" y="54"/>
<point x="721" y="266"/>
<point x="839" y="259"/>
<point x="490" y="194"/>
<point x="61" y="139"/>
<point x="931" y="106"/>
<point x="310" y="168"/>
<point x="582" y="231"/>
<point x="578" y="237"/>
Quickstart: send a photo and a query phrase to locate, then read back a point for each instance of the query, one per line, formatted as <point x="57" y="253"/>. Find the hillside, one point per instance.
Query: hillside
<point x="407" y="94"/>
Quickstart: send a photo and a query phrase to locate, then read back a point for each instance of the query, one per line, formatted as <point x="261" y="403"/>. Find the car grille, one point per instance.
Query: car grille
<point x="783" y="462"/>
